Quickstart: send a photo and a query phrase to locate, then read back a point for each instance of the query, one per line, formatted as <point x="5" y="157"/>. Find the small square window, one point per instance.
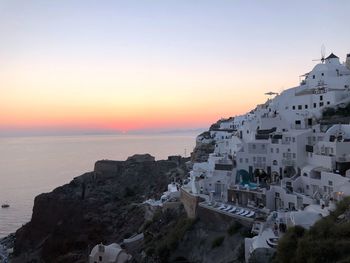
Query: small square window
<point x="313" y="76"/>
<point x="299" y="107"/>
<point x="321" y="97"/>
<point x="315" y="105"/>
<point x="306" y="106"/>
<point x="321" y="104"/>
<point x="330" y="183"/>
<point x="293" y="107"/>
<point x="328" y="102"/>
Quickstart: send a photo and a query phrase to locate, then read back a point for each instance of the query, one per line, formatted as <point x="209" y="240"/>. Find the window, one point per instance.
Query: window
<point x="100" y="258"/>
<point x="307" y="187"/>
<point x="330" y="183"/>
<point x="240" y="160"/>
<point x="321" y="97"/>
<point x="275" y="162"/>
<point x="294" y="155"/>
<point x="313" y="76"/>
<point x="315" y="105"/>
<point x="293" y="139"/>
<point x="271" y="150"/>
<point x="305" y="174"/>
<point x="306" y="106"/>
<point x="299" y="107"/>
<point x="277" y="194"/>
<point x="328" y="102"/>
<point x="322" y="74"/>
<point x="293" y="107"/>
<point x="254" y="146"/>
<point x="277" y="150"/>
<point x="321" y="104"/>
<point x="298" y="122"/>
<point x="246" y="160"/>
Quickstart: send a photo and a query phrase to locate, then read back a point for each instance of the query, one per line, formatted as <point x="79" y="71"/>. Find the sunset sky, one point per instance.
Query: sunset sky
<point x="148" y="64"/>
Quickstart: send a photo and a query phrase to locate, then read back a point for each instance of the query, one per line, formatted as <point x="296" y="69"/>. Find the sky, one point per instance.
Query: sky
<point x="135" y="65"/>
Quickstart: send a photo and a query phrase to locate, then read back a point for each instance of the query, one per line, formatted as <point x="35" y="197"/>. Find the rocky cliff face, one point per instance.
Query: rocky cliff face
<point x="205" y="145"/>
<point x="99" y="206"/>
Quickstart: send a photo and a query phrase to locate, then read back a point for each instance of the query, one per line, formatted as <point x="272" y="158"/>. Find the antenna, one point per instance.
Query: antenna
<point x="323" y="54"/>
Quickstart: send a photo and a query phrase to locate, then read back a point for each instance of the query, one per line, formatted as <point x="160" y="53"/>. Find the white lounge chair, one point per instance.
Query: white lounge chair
<point x="232" y="209"/>
<point x="239" y="210"/>
<point x="221" y="206"/>
<point x="251" y="214"/>
<point x="227" y="208"/>
<point x="245" y="213"/>
<point x="242" y="212"/>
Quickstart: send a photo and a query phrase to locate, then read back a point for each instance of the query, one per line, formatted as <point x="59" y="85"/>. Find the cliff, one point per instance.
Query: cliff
<point x="100" y="206"/>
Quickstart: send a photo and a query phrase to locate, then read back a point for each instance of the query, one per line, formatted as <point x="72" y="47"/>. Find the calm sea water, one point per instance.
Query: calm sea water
<point x="33" y="165"/>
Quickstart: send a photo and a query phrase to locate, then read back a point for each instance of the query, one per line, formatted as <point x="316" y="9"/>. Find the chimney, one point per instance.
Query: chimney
<point x="347" y="62"/>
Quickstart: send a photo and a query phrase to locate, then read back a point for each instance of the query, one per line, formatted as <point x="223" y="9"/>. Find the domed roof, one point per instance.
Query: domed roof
<point x="339" y="130"/>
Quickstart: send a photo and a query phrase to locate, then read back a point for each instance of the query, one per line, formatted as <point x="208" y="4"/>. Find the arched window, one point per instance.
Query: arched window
<point x="274" y="162"/>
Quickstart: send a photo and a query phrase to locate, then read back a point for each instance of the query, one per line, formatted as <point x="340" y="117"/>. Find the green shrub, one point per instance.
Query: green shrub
<point x="327" y="241"/>
<point x="233" y="229"/>
<point x="217" y="241"/>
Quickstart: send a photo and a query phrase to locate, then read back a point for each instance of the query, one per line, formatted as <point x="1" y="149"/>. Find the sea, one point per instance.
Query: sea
<point x="33" y="165"/>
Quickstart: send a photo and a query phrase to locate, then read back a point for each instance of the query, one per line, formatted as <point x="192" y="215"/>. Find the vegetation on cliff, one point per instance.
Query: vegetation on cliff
<point x="327" y="241"/>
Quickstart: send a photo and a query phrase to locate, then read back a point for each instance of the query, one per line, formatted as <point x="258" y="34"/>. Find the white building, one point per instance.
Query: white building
<point x="112" y="253"/>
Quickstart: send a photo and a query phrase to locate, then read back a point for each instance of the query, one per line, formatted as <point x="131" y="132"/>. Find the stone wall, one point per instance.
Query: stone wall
<point x="190" y="203"/>
<point x="107" y="166"/>
<point x="210" y="216"/>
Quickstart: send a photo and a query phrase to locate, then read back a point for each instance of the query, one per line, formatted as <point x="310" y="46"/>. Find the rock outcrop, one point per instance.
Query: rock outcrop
<point x="100" y="206"/>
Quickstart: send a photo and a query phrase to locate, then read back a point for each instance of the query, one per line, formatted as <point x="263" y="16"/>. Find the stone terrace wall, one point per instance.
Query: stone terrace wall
<point x="190" y="203"/>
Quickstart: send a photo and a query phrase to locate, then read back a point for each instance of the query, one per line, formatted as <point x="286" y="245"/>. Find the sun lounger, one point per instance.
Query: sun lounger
<point x="221" y="207"/>
<point x="241" y="212"/>
<point x="251" y="214"/>
<point x="227" y="208"/>
<point x="245" y="213"/>
<point x="232" y="209"/>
